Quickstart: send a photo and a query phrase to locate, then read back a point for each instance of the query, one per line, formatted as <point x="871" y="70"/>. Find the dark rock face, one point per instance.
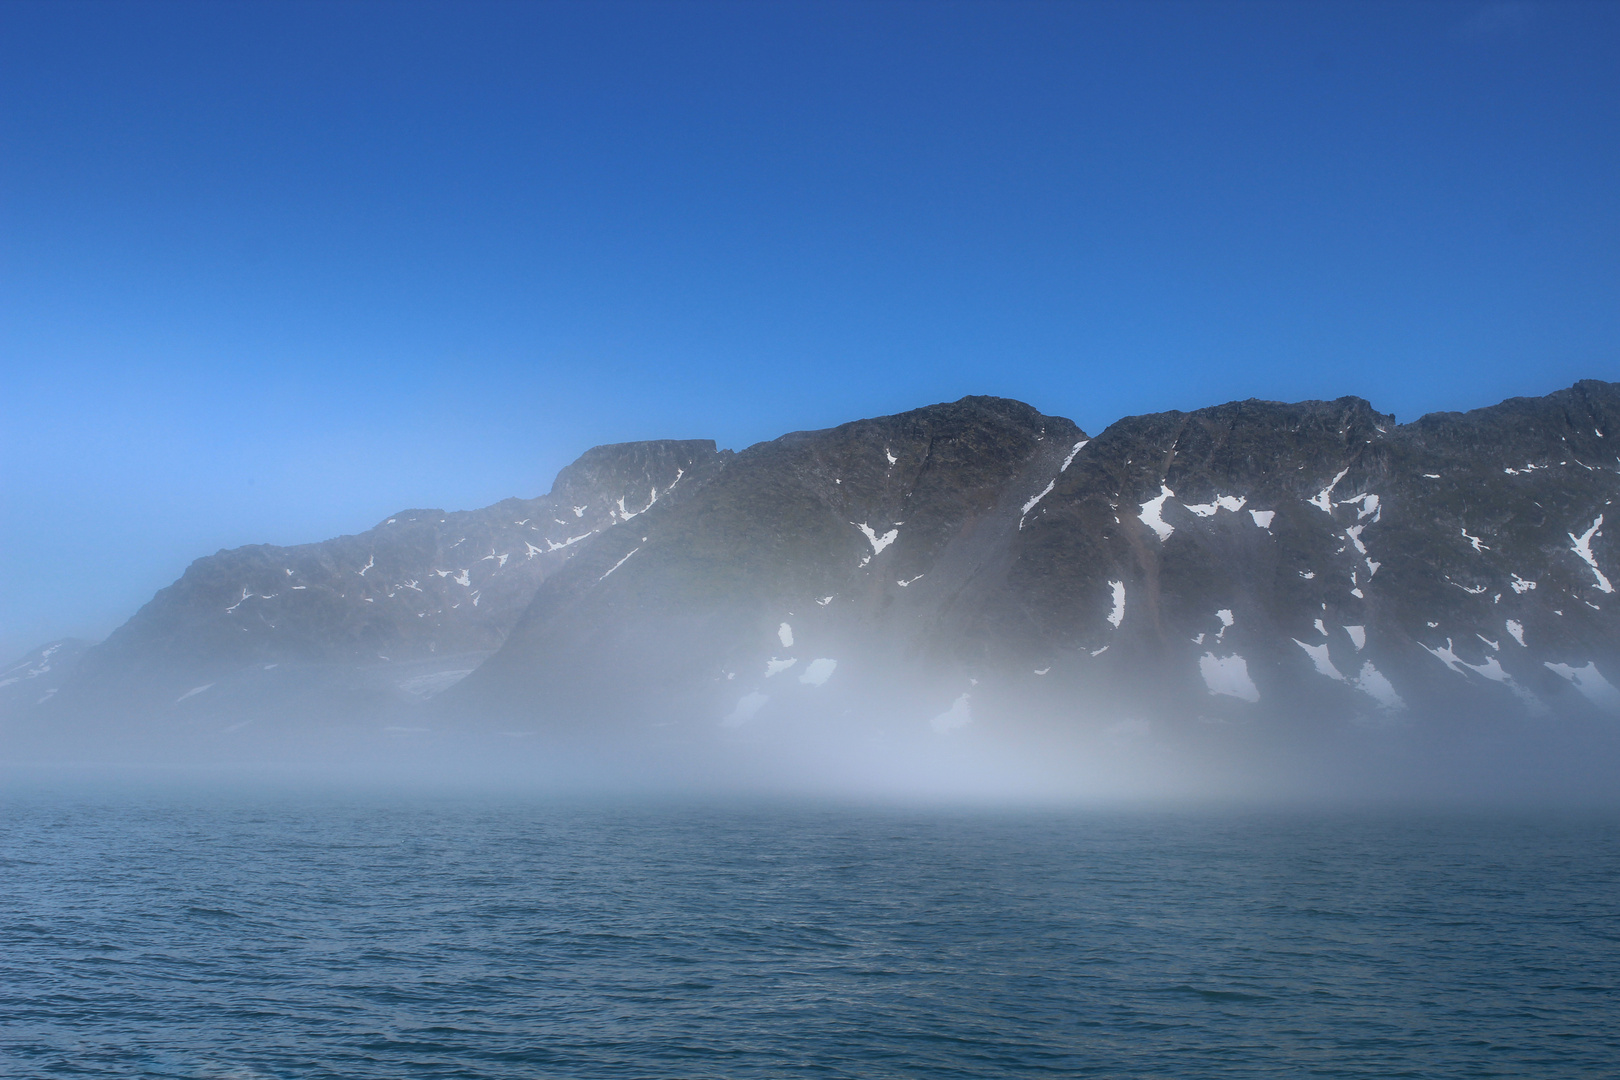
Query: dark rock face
<point x="1361" y="566"/>
<point x="825" y="541"/>
<point x="396" y="612"/>
<point x="966" y="564"/>
<point x="1254" y="559"/>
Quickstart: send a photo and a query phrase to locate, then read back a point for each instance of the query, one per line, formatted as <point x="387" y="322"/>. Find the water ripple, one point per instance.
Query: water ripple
<point x="386" y="939"/>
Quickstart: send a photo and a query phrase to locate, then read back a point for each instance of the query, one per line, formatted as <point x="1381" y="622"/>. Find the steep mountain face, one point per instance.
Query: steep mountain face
<point x="874" y="545"/>
<point x="962" y="566"/>
<point x="1318" y="558"/>
<point x="1314" y="560"/>
<point x="358" y="622"/>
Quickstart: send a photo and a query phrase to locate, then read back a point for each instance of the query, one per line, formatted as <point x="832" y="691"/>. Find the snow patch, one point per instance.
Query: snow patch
<point x="1319" y="657"/>
<point x="1233" y="503"/>
<point x="1447" y="657"/>
<point x="369" y="564"/>
<point x="1372" y="683"/>
<point x="1037" y="497"/>
<point x="1117" y="615"/>
<point x="878" y="542"/>
<point x="890" y="455"/>
<point x="552" y="545"/>
<point x="1583" y="548"/>
<point x="626" y="515"/>
<point x="1079" y="446"/>
<point x="1369" y="506"/>
<point x="1590" y="682"/>
<point x="1491" y="669"/>
<point x="1323" y="499"/>
<point x="1263" y="518"/>
<point x="1515" y="630"/>
<point x="824" y="601"/>
<point x="818" y="671"/>
<point x="784" y="634"/>
<point x="1228" y="675"/>
<point x="1358" y="636"/>
<point x="1474" y="540"/>
<point x="909" y="580"/>
<point x="620" y="563"/>
<point x="1151" y="511"/>
<point x="193" y="690"/>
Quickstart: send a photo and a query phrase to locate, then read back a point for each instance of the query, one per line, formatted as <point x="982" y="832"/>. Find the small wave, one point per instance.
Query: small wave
<point x="1219" y="995"/>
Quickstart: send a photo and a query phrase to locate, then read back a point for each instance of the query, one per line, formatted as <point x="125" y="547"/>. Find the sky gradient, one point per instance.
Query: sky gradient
<point x="269" y="273"/>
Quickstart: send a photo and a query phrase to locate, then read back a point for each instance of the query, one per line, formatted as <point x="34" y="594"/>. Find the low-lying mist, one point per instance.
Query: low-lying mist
<point x="881" y="754"/>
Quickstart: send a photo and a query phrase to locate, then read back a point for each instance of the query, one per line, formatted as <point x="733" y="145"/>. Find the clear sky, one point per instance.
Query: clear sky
<point x="271" y="272"/>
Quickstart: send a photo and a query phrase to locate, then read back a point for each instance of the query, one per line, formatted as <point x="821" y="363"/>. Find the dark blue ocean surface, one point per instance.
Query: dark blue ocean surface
<point x="389" y="937"/>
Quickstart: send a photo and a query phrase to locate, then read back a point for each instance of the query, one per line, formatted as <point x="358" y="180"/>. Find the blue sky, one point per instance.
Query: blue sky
<point x="271" y="272"/>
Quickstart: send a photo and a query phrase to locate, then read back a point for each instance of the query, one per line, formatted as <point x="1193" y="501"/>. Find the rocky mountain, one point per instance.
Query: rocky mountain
<point x="370" y="622"/>
<point x="980" y="559"/>
<point x="961" y="566"/>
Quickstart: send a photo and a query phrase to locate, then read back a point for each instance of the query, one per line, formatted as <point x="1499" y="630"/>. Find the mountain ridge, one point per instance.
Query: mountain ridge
<point x="967" y="563"/>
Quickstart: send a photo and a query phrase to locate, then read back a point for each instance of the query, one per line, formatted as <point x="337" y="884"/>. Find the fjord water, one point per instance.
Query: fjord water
<point x="386" y="935"/>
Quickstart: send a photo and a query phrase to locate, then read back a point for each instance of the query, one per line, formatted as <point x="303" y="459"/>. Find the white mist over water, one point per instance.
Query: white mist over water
<point x="985" y="760"/>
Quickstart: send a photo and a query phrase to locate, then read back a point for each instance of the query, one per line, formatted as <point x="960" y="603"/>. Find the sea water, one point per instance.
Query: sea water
<point x="397" y="935"/>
